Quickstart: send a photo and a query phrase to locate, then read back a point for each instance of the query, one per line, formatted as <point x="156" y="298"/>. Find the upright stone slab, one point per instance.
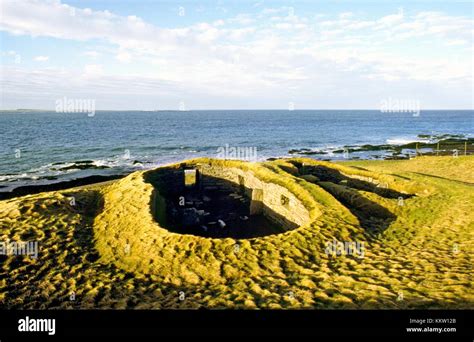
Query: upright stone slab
<point x="190" y="177"/>
<point x="256" y="202"/>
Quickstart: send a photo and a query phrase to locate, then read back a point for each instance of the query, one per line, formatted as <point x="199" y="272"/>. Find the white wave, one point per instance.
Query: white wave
<point x="403" y="141"/>
<point x="6" y="178"/>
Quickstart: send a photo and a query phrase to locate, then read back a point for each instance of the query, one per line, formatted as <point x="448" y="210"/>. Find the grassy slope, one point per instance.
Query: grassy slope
<point x="423" y="259"/>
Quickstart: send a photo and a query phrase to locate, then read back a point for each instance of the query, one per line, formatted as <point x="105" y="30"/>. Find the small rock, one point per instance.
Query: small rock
<point x="190" y="217"/>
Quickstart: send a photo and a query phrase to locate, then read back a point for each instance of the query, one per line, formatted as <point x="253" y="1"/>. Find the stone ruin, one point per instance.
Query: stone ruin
<point x="213" y="201"/>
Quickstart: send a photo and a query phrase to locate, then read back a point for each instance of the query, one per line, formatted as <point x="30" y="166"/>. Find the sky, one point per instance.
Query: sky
<point x="159" y="55"/>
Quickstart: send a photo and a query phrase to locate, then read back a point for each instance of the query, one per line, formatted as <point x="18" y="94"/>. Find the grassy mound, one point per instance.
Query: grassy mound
<point x="101" y="247"/>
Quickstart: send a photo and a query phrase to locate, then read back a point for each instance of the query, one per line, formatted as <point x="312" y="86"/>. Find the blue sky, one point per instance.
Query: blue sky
<point x="236" y="54"/>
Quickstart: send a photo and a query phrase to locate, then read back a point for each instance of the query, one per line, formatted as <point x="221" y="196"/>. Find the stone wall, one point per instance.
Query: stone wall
<point x="275" y="201"/>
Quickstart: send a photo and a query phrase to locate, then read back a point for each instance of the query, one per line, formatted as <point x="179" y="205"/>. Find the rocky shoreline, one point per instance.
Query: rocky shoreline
<point x="428" y="145"/>
<point x="36" y="189"/>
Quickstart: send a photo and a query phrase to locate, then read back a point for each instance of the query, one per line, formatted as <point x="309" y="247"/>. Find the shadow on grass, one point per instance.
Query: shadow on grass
<point x="373" y="217"/>
<point x="89" y="204"/>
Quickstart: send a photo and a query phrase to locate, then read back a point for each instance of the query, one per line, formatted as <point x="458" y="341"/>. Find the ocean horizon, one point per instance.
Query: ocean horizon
<point x="42" y="147"/>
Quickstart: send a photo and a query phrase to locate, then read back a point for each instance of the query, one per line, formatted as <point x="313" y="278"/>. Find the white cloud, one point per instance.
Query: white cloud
<point x="93" y="70"/>
<point x="262" y="55"/>
<point x="390" y="20"/>
<point x="456" y="42"/>
<point x="346" y="15"/>
<point x="9" y="53"/>
<point x="283" y="26"/>
<point x="92" y="54"/>
<point x="219" y="22"/>
<point x="41" y="58"/>
<point x="124" y="56"/>
<point x="242" y="19"/>
<point x="282" y="9"/>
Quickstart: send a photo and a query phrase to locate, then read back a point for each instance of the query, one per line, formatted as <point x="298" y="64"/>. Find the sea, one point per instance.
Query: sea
<point x="42" y="147"/>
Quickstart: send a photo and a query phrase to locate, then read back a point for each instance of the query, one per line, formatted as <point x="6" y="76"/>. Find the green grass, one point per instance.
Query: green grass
<point x="111" y="253"/>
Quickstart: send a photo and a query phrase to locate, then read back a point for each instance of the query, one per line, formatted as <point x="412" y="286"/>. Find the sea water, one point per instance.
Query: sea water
<point x="38" y="147"/>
